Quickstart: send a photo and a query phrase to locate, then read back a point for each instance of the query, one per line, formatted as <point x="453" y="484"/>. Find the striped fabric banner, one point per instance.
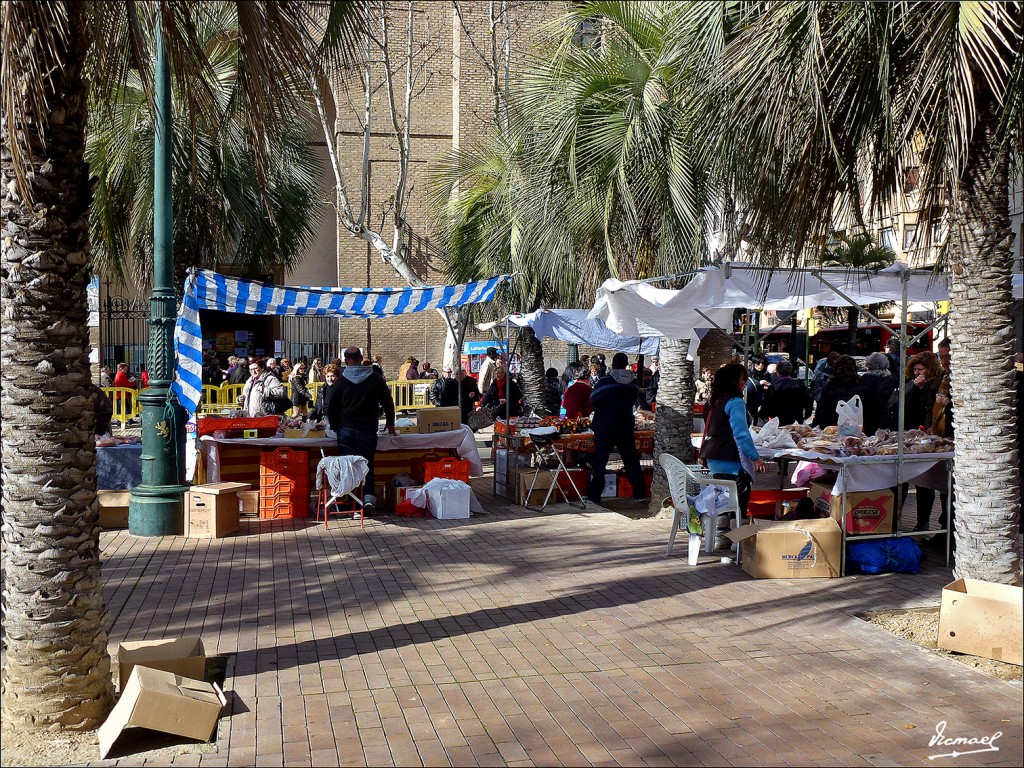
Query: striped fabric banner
<point x="208" y="290"/>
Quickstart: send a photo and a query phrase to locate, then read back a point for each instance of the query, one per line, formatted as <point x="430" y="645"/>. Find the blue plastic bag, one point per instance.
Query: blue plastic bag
<point x="897" y="555"/>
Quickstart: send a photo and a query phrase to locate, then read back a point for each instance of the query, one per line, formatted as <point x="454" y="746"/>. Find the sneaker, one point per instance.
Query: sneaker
<point x="367" y="508"/>
<point x="357" y="515"/>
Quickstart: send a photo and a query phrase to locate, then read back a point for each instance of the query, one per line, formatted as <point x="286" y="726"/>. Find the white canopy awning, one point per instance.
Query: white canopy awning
<point x="714" y="293"/>
<point x="575" y="327"/>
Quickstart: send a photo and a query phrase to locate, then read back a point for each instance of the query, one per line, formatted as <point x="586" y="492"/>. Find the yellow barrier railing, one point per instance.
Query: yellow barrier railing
<point x="411" y="395"/>
<point x="125" y="401"/>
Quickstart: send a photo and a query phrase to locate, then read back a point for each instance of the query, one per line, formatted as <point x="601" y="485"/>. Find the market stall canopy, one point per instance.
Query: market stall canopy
<point x="208" y="290"/>
<point x="573" y="326"/>
<point x="714" y="293"/>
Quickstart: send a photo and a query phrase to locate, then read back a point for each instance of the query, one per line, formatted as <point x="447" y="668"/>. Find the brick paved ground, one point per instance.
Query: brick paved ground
<point x="568" y="638"/>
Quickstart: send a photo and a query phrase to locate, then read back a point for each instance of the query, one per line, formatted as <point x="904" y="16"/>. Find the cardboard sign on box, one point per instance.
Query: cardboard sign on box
<point x="866" y="511"/>
<point x="212" y="510"/>
<point x="983" y="618"/>
<point x="803" y="549"/>
<point x="163" y="701"/>
<point x="439" y="419"/>
<point x="183" y="656"/>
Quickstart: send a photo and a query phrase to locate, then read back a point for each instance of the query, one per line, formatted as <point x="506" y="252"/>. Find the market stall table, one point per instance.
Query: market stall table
<point x="237" y="459"/>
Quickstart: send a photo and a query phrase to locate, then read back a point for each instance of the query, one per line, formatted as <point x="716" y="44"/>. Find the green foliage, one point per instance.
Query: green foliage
<point x="858" y="252"/>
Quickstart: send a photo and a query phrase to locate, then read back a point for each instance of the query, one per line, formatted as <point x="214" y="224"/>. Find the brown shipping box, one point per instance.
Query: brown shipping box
<point x="113" y="508"/>
<point x="249" y="503"/>
<point x="803" y="549"/>
<point x="540" y="490"/>
<point x="183" y="656"/>
<point x="438" y="419"/>
<point x="212" y="510"/>
<point x="983" y="619"/>
<point x="163" y="701"/>
<point x="866" y="511"/>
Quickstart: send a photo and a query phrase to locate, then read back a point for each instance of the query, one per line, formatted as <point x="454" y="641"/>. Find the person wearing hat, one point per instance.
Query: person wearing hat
<point x="488" y="367"/>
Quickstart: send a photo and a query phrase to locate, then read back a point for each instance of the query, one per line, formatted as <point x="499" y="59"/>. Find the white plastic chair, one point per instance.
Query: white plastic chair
<point x="689" y="480"/>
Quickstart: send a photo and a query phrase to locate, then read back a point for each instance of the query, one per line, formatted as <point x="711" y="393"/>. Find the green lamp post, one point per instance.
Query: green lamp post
<point x="155" y="508"/>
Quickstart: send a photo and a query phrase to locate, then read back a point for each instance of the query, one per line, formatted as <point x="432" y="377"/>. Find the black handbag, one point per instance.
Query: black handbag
<point x="277" y="405"/>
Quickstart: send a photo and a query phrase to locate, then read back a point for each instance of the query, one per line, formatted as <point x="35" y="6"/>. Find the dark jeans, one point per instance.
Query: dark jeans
<point x="625" y="443"/>
<point x="925" y="502"/>
<point x="357" y="442"/>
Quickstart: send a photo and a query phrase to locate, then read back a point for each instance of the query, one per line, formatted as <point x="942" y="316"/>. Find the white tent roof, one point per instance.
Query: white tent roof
<point x="641" y="309"/>
<point x="574" y="326"/>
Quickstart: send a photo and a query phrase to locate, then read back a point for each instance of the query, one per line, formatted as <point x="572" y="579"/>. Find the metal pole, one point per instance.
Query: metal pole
<point x="155" y="508"/>
<point x="902" y="406"/>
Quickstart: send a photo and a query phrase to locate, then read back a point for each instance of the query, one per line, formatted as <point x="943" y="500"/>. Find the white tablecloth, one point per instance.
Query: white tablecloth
<point x="460" y="439"/>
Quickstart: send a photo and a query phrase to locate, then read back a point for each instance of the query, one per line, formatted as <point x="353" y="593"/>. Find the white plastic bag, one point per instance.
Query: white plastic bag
<point x="850" y="415"/>
<point x="767" y="433"/>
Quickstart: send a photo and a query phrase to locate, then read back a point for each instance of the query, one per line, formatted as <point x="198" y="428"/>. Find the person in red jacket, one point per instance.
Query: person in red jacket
<point x="576" y="398"/>
<point x="121" y="378"/>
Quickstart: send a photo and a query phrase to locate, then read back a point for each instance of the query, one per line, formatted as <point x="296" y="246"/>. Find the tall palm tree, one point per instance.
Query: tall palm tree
<point x="224" y="216"/>
<point x="856" y="252"/>
<point x="826" y="102"/>
<point x="56" y="670"/>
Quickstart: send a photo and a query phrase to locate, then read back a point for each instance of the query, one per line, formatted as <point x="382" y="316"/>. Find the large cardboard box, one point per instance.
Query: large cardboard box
<point x="866" y="511"/>
<point x="212" y="510"/>
<point x="803" y="549"/>
<point x="183" y="656"/>
<point x="163" y="701"/>
<point x="983" y="619"/>
<point x="113" y="508"/>
<point x="540" y="490"/>
<point x="439" y="419"/>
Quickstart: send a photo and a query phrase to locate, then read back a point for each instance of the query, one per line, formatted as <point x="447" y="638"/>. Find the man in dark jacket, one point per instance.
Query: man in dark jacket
<point x="613" y="399"/>
<point x="444" y="393"/>
<point x="359" y="395"/>
<point x="787" y="398"/>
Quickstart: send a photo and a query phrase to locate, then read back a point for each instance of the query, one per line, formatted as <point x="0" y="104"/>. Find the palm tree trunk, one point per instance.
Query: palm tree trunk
<point x="986" y="474"/>
<point x="533" y="371"/>
<point x="673" y="424"/>
<point x="56" y="671"/>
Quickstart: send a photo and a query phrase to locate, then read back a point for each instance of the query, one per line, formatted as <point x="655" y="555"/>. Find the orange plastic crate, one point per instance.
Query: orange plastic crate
<point x="284" y="484"/>
<point x="625" y="488"/>
<point x="450" y="468"/>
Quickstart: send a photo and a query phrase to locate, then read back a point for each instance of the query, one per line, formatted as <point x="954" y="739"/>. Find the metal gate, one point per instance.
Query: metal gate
<point x="311" y="337"/>
<point x="125" y="332"/>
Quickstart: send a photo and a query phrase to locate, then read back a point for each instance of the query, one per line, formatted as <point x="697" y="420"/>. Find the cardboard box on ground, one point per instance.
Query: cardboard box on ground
<point x="212" y="510"/>
<point x="866" y="511"/>
<point x="983" y="619"/>
<point x="803" y="549"/>
<point x="113" y="508"/>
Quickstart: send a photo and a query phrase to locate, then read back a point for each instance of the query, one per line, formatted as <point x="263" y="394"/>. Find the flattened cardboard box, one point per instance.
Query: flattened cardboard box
<point x="983" y="619"/>
<point x="163" y="701"/>
<point x="802" y="549"/>
<point x="183" y="656"/>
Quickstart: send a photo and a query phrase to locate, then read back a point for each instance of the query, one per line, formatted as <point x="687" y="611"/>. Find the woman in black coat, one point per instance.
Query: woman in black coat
<point x="878" y="391"/>
<point x="842" y="386"/>
<point x="323" y="398"/>
<point x="502" y="389"/>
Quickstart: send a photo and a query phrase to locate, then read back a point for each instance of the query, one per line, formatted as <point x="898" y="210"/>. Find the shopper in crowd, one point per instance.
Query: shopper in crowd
<point x="144" y="377"/>
<point x="703" y="386"/>
<point x="879" y="393"/>
<point x="428" y="372"/>
<point x="485" y="376"/>
<point x="353" y="414"/>
<point x="470" y="393"/>
<point x="576" y="399"/>
<point x="945" y="356"/>
<point x="924" y="379"/>
<point x="787" y="399"/>
<point x="595" y="373"/>
<point x="241" y="373"/>
<point x="759" y="372"/>
<point x="613" y="399"/>
<point x="316" y="372"/>
<point x="261" y="388"/>
<point x="444" y="392"/>
<point x="103" y="410"/>
<point x="892" y="351"/>
<point x="727" y="442"/>
<point x="273" y="368"/>
<point x="571" y="373"/>
<point x="503" y="392"/>
<point x="653" y="383"/>
<point x="106" y="377"/>
<point x="301" y="397"/>
<point x="122" y="378"/>
<point x="602" y="368"/>
<point x="284" y="369"/>
<point x="822" y="374"/>
<point x="843" y="384"/>
<point x="552" y="392"/>
<point x="409" y="370"/>
<point x="323" y="397"/>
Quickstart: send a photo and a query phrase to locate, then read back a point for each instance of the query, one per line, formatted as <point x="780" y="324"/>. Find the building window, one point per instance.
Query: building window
<point x="887" y="238"/>
<point x="909" y="233"/>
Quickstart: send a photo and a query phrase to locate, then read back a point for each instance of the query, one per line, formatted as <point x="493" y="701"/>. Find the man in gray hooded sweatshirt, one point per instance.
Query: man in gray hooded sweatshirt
<point x="613" y="399"/>
<point x="359" y="395"/>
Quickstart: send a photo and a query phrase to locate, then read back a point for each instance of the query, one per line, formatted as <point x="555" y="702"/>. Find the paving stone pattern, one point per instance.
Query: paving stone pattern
<point x="562" y="638"/>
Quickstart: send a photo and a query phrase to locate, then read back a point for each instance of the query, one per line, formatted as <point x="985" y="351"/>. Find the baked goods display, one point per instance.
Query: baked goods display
<point x="883" y="443"/>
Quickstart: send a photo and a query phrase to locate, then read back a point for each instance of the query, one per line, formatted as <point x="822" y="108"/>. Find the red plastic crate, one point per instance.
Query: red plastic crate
<point x="267" y="425"/>
<point x="418" y="465"/>
<point x="762" y="503"/>
<point x="450" y="468"/>
<point x="625" y="488"/>
<point x="284" y="483"/>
